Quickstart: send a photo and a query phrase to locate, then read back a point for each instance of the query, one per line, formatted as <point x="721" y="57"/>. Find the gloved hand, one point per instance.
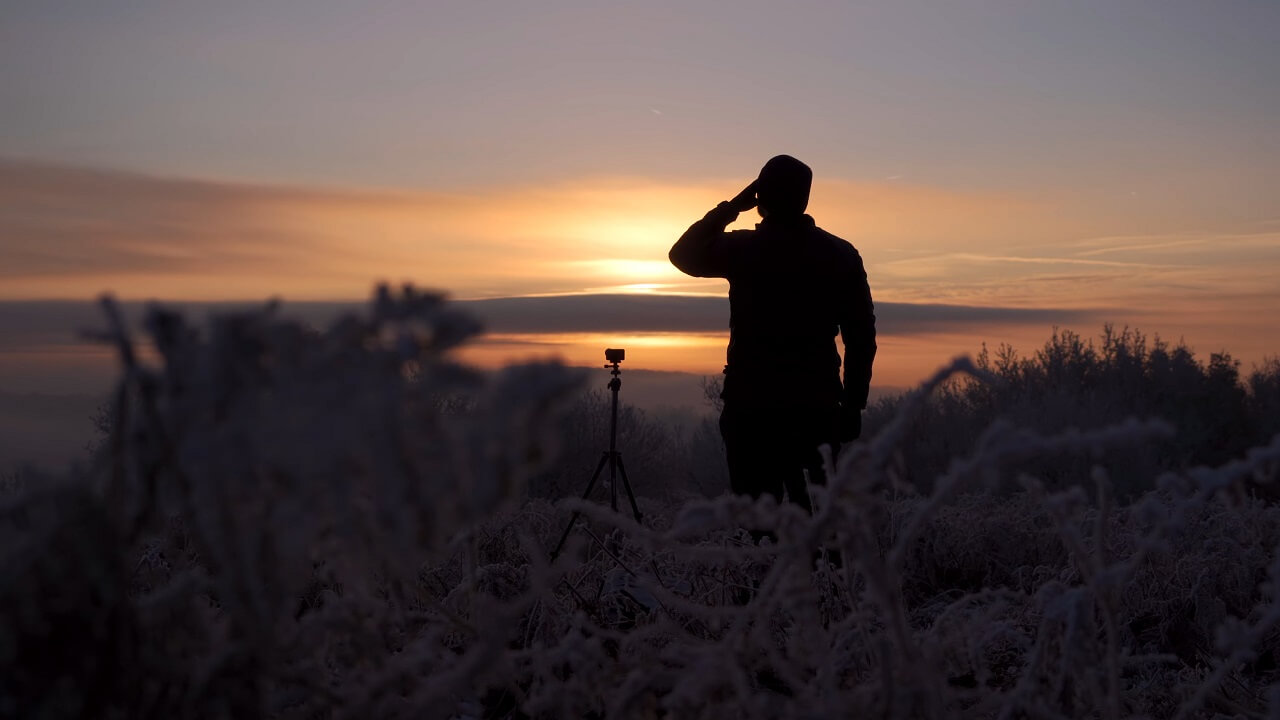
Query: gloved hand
<point x="744" y="200"/>
<point x="849" y="423"/>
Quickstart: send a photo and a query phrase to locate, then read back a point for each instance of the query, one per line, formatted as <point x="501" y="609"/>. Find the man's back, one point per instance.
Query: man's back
<point x="792" y="287"/>
<point x="788" y="282"/>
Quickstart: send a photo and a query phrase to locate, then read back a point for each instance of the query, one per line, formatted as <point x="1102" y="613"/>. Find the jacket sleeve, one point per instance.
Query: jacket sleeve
<point x="858" y="331"/>
<point x="703" y="249"/>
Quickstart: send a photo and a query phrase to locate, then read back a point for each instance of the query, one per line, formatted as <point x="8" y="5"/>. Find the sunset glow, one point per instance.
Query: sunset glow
<point x="661" y="351"/>
<point x="1134" y="184"/>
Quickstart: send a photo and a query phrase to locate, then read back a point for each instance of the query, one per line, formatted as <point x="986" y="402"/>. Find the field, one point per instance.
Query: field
<point x="288" y="523"/>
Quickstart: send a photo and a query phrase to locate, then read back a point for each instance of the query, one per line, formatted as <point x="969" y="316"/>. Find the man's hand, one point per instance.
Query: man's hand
<point x="744" y="200"/>
<point x="849" y="424"/>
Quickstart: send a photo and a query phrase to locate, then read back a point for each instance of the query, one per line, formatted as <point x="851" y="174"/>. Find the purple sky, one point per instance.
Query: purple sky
<point x="1092" y="93"/>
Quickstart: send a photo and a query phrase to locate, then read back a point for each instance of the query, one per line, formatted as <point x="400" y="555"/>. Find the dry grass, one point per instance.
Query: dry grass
<point x="291" y="524"/>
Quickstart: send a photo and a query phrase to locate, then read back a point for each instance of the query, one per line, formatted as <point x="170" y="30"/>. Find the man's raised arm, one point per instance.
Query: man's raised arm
<point x="702" y="251"/>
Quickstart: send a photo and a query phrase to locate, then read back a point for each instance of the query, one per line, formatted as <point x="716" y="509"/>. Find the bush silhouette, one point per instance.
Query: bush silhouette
<point x="289" y="523"/>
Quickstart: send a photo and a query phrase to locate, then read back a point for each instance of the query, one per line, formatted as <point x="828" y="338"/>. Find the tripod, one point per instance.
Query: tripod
<point x="611" y="457"/>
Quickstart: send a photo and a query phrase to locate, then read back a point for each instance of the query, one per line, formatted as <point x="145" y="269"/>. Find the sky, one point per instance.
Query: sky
<point x="1003" y="166"/>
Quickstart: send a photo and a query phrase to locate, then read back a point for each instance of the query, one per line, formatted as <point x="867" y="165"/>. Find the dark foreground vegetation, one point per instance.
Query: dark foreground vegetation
<point x="1075" y="383"/>
<point x="284" y="523"/>
<point x="1070" y="383"/>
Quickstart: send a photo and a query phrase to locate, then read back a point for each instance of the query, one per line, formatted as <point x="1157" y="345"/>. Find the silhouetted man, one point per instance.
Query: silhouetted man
<point x="792" y="287"/>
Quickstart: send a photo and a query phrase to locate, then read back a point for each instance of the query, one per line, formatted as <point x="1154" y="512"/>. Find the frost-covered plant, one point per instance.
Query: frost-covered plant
<point x="954" y="604"/>
<point x="263" y="485"/>
<point x="1071" y="382"/>
<point x="291" y="523"/>
<point x="672" y="457"/>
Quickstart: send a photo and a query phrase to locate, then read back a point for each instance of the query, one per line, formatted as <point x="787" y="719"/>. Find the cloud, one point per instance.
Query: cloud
<point x="701" y="314"/>
<point x="48" y="324"/>
<point x="972" y="257"/>
<point x="74" y="231"/>
<point x="41" y="349"/>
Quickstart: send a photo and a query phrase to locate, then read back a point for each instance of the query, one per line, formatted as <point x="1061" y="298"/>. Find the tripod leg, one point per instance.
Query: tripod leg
<point x="622" y="470"/>
<point x="576" y="514"/>
<point x="613" y="479"/>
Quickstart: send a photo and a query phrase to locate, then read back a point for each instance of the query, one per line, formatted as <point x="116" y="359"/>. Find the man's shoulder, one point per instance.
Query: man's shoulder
<point x="839" y="245"/>
<point x="830" y="236"/>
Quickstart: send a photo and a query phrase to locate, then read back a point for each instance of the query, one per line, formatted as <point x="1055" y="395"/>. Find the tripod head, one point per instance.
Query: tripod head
<point x="614" y="356"/>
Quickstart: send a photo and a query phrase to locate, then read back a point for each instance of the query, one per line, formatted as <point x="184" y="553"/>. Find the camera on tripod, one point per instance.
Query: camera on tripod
<point x="612" y="457"/>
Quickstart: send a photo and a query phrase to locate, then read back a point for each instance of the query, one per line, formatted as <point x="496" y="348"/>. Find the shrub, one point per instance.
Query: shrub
<point x="1074" y="383"/>
<point x="296" y="524"/>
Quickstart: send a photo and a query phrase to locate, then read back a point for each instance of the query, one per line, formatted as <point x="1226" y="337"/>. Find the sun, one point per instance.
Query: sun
<point x="628" y="275"/>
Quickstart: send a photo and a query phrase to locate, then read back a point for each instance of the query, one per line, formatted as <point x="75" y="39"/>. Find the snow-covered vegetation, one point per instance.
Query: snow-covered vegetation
<point x="298" y="524"/>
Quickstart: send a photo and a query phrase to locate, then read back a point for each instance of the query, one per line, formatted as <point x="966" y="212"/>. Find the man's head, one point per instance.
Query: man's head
<point x="782" y="190"/>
